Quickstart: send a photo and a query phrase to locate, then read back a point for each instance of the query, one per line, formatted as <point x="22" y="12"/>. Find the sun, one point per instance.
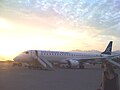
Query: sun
<point x="8" y="51"/>
<point x="4" y="24"/>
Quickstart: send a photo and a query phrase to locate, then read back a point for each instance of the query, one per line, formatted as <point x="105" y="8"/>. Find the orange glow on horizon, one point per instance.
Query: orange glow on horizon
<point x="16" y="37"/>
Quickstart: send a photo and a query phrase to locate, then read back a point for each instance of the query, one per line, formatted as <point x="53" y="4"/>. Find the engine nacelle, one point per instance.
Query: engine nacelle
<point x="75" y="64"/>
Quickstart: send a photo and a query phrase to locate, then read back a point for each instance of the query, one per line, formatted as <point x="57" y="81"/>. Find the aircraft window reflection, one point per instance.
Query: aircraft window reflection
<point x="26" y="52"/>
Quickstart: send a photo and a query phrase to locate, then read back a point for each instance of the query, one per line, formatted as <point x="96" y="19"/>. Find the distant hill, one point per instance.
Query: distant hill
<point x="92" y="51"/>
<point x="96" y="51"/>
<point x="116" y="52"/>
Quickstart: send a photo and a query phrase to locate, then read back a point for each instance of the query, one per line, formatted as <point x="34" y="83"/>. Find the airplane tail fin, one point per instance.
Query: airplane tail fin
<point x="108" y="50"/>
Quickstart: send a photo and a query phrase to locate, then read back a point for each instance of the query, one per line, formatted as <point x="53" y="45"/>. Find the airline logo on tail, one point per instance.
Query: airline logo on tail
<point x="108" y="49"/>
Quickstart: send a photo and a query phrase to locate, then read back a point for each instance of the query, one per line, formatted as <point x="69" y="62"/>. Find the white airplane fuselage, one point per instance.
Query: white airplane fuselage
<point x="46" y="58"/>
<point x="54" y="56"/>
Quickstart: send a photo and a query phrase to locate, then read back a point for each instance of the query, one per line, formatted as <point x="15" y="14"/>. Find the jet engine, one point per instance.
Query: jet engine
<point x="75" y="64"/>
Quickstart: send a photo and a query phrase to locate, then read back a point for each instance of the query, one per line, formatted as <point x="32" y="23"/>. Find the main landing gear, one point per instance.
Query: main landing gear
<point x="17" y="64"/>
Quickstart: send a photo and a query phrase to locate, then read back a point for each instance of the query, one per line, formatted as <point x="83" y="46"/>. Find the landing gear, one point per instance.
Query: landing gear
<point x="17" y="64"/>
<point x="81" y="66"/>
<point x="34" y="67"/>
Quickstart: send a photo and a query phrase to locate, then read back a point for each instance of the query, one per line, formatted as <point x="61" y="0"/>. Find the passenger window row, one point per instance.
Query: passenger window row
<point x="65" y="54"/>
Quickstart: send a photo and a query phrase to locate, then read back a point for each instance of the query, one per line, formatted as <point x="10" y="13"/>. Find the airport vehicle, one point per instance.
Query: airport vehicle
<point x="47" y="59"/>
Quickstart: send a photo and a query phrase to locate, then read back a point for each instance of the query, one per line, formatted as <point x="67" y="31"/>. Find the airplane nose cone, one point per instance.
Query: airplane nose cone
<point x="20" y="58"/>
<point x="14" y="59"/>
<point x="23" y="58"/>
<point x="17" y="58"/>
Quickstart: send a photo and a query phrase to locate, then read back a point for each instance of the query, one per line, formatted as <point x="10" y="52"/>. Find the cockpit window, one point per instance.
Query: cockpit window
<point x="26" y="52"/>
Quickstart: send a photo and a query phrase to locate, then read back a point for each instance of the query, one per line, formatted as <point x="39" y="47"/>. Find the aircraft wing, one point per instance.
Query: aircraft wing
<point x="88" y="59"/>
<point x="108" y="58"/>
<point x="100" y="58"/>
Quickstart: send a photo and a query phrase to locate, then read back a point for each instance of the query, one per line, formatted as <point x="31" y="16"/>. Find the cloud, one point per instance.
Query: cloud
<point x="87" y="21"/>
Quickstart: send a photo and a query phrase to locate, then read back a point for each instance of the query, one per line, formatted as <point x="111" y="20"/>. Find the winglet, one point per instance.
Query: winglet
<point x="108" y="50"/>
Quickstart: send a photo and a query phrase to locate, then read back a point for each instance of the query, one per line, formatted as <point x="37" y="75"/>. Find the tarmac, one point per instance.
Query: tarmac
<point x="20" y="78"/>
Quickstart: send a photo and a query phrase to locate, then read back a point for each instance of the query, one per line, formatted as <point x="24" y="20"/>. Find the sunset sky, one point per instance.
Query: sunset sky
<point x="58" y="25"/>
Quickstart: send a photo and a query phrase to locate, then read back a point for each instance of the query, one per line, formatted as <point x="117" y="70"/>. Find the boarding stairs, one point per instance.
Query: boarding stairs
<point x="45" y="63"/>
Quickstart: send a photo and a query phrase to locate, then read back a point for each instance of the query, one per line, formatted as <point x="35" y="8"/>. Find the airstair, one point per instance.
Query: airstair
<point x="43" y="62"/>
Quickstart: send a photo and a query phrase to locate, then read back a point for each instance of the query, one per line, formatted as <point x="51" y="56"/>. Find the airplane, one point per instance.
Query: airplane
<point x="47" y="59"/>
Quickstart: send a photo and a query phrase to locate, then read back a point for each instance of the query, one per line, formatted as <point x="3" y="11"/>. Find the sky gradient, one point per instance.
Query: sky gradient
<point x="58" y="25"/>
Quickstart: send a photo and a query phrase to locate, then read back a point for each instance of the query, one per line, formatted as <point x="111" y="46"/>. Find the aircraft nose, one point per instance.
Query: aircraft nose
<point x="20" y="58"/>
<point x="23" y="58"/>
<point x="17" y="58"/>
